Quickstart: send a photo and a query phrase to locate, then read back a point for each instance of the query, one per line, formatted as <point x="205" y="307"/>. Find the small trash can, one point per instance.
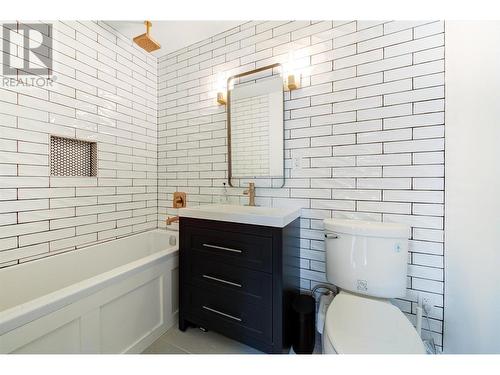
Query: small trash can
<point x="304" y="311"/>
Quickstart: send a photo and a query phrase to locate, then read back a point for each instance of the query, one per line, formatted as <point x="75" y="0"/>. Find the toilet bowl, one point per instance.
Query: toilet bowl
<point x="357" y="324"/>
<point x="368" y="262"/>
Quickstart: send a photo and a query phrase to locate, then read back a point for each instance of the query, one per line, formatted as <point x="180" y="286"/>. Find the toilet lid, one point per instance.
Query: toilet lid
<point x="363" y="325"/>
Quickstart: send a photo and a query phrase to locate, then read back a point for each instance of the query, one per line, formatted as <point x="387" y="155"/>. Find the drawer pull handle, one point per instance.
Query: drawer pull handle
<point x="222" y="248"/>
<point x="223" y="314"/>
<point x="221" y="280"/>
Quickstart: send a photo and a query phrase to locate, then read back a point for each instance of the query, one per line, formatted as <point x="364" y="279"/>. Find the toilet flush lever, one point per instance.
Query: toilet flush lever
<point x="331" y="235"/>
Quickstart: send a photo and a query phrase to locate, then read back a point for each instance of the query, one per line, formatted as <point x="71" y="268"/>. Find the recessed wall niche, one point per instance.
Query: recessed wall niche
<point x="72" y="157"/>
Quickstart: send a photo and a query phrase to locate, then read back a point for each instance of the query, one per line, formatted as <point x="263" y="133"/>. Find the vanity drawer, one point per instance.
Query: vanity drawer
<point x="207" y="273"/>
<point x="238" y="249"/>
<point x="228" y="313"/>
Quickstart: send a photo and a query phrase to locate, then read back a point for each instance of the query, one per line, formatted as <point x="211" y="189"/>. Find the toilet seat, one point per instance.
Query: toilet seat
<point x="363" y="325"/>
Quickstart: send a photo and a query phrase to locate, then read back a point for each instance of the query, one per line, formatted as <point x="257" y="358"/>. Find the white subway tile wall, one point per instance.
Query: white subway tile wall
<point x="364" y="134"/>
<point x="105" y="91"/>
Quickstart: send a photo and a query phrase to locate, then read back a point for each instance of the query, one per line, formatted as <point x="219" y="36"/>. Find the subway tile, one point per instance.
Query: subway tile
<point x="39" y="215"/>
<point x="425" y="68"/>
<point x="416" y="221"/>
<point x="425" y="272"/>
<point x="357" y="172"/>
<point x="415" y="145"/>
<point x="428" y="55"/>
<point x="394" y="26"/>
<point x="23" y="252"/>
<point x="385" y="183"/>
<point x="428" y="209"/>
<point x="384" y="88"/>
<point x="334" y="76"/>
<point x="385" y="64"/>
<point x="358" y="37"/>
<point x="332" y="204"/>
<point x="414" y="171"/>
<point x="8" y="243"/>
<point x="386" y="40"/>
<point x="311" y="193"/>
<point x="429" y="29"/>
<point x="333" y="97"/>
<point x="429" y="106"/>
<point x="415" y="45"/>
<point x="414" y="95"/>
<point x="385" y="112"/>
<point x="361" y="149"/>
<point x="426" y="247"/>
<point x="385" y="207"/>
<point x="357" y="82"/>
<point x="429" y="183"/>
<point x="312" y="29"/>
<point x="23" y="205"/>
<point x="334" y="183"/>
<point x="428" y="157"/>
<point x="428" y="285"/>
<point x="357" y="127"/>
<point x="335" y="161"/>
<point x="357" y="104"/>
<point x="394" y="159"/>
<point x="428" y="81"/>
<point x="357" y="194"/>
<point x="358" y="59"/>
<point x="72" y="222"/>
<point x="414" y="120"/>
<point x="72" y="242"/>
<point x="384" y="136"/>
<point x="414" y="196"/>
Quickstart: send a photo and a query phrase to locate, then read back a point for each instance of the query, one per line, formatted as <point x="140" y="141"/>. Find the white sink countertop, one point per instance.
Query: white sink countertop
<point x="267" y="216"/>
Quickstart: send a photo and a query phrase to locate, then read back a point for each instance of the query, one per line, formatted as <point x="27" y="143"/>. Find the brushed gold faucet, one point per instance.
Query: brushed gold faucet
<point x="251" y="193"/>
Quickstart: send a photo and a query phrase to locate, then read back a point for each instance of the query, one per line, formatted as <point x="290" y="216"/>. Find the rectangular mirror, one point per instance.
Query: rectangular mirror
<point x="255" y="129"/>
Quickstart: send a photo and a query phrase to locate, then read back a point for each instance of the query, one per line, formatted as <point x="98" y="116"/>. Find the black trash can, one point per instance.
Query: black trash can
<point x="304" y="310"/>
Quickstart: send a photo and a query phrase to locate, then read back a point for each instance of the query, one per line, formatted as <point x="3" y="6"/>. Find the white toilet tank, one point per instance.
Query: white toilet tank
<point x="367" y="257"/>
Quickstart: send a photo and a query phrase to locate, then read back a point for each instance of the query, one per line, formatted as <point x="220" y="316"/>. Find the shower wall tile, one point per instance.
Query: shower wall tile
<point x="106" y="92"/>
<point x="366" y="125"/>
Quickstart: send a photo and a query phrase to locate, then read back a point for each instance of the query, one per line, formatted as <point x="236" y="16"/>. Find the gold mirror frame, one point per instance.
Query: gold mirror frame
<point x="228" y="106"/>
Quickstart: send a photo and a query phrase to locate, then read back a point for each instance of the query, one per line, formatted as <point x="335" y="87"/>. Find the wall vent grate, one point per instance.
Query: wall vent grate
<point x="72" y="157"/>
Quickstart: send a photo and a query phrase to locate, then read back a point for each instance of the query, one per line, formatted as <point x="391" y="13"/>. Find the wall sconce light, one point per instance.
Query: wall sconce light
<point x="292" y="81"/>
<point x="221" y="98"/>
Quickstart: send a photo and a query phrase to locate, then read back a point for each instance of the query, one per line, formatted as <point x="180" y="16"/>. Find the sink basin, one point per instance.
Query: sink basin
<point x="268" y="216"/>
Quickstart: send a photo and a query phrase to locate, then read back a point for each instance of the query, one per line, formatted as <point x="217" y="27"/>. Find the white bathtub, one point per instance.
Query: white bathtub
<point x="115" y="297"/>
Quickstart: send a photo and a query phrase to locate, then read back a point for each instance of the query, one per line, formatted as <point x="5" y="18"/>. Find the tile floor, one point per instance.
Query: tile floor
<point x="195" y="341"/>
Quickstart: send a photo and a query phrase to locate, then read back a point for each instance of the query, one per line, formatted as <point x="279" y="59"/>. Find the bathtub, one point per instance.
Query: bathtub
<point x="114" y="297"/>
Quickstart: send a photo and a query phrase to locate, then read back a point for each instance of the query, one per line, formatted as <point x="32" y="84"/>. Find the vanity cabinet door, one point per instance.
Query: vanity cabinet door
<point x="239" y="249"/>
<point x="256" y="286"/>
<point x="229" y="313"/>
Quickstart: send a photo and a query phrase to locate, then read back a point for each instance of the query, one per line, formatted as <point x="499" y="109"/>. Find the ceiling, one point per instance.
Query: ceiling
<point x="174" y="35"/>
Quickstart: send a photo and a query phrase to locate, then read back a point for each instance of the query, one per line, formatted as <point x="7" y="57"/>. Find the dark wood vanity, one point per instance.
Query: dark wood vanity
<point x="239" y="280"/>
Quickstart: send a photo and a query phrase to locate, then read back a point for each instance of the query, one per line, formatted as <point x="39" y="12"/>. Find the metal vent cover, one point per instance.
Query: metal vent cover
<point x="72" y="157"/>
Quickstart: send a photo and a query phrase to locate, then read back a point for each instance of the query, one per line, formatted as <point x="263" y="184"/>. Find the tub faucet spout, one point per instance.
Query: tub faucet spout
<point x="172" y="219"/>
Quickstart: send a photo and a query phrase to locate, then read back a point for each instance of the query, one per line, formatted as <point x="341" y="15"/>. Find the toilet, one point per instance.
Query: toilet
<point x="367" y="261"/>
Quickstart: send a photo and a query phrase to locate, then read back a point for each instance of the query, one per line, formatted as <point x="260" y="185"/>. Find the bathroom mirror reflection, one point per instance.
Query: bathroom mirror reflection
<point x="255" y="127"/>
